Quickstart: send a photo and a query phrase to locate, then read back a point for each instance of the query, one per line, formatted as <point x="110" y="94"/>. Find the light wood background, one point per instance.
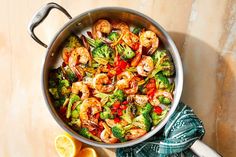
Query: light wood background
<point x="205" y="34"/>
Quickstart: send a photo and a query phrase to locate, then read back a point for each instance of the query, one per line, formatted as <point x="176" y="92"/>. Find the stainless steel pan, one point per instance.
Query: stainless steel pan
<point x="77" y="25"/>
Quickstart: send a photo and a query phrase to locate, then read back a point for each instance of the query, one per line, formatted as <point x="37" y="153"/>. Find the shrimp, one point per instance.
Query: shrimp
<point x="133" y="86"/>
<point x="80" y="87"/>
<point x="135" y="133"/>
<point x="106" y="135"/>
<point x="100" y="83"/>
<point x="123" y="79"/>
<point x="89" y="103"/>
<point x="122" y="26"/>
<point x="149" y="40"/>
<point x="131" y="39"/>
<point x="145" y="66"/>
<point x="111" y="122"/>
<point x="141" y="100"/>
<point x="155" y="101"/>
<point x="88" y="81"/>
<point x="79" y="55"/>
<point x="101" y="26"/>
<point x="137" y="57"/>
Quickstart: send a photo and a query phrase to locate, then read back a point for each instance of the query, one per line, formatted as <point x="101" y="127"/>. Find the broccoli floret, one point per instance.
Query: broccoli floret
<point x="85" y="132"/>
<point x="147" y="108"/>
<point x="127" y="114"/>
<point x="55" y="76"/>
<point x="156" y="119"/>
<point x="143" y="121"/>
<point x="113" y="36"/>
<point x="162" y="82"/>
<point x="163" y="63"/>
<point x="118" y="94"/>
<point x="164" y="100"/>
<point x="73" y="99"/>
<point x="136" y="30"/>
<point x="125" y="51"/>
<point x="70" y="75"/>
<point x="54" y="93"/>
<point x="106" y="114"/>
<point x="94" y="43"/>
<point x="118" y="131"/>
<point x="72" y="41"/>
<point x="103" y="51"/>
<point x="63" y="88"/>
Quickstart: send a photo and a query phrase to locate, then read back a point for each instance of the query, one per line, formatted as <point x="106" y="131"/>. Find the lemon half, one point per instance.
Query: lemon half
<point x="67" y="146"/>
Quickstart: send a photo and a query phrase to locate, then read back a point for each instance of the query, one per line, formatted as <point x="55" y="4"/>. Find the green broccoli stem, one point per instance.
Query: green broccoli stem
<point x="91" y="42"/>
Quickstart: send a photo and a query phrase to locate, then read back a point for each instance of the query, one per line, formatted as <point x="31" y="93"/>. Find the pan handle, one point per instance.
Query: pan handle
<point x="203" y="150"/>
<point x="39" y="17"/>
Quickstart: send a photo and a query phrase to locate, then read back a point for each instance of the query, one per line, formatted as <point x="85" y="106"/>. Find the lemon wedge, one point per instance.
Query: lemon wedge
<point x="87" y="152"/>
<point x="67" y="146"/>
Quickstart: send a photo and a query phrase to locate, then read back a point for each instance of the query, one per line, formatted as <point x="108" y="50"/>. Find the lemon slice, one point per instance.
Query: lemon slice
<point x="67" y="146"/>
<point x="87" y="152"/>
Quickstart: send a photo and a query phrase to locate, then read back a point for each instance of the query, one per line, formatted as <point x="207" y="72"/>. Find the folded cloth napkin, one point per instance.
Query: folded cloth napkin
<point x="180" y="132"/>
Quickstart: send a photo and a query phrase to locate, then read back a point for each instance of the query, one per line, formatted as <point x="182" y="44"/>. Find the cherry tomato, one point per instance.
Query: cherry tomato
<point x="158" y="110"/>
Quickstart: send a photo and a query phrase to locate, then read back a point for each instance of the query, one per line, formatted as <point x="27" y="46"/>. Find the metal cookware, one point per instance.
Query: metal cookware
<point x="77" y="25"/>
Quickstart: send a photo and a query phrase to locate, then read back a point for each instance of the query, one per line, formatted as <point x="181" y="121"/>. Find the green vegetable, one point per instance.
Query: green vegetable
<point x="118" y="94"/>
<point x="146" y="109"/>
<point x="70" y="75"/>
<point x="103" y="51"/>
<point x="106" y="114"/>
<point x="163" y="63"/>
<point x="118" y="131"/>
<point x="156" y="119"/>
<point x="127" y="114"/>
<point x="125" y="51"/>
<point x="63" y="88"/>
<point x="75" y="122"/>
<point x="72" y="41"/>
<point x="113" y="36"/>
<point x="55" y="75"/>
<point x="136" y="30"/>
<point x="94" y="43"/>
<point x="164" y="100"/>
<point x="73" y="99"/>
<point x="54" y="93"/>
<point x="85" y="132"/>
<point x="143" y="121"/>
<point x="162" y="82"/>
<point x="75" y="114"/>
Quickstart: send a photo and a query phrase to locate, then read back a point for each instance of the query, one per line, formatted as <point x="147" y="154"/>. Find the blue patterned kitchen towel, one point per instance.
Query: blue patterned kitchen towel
<point x="180" y="132"/>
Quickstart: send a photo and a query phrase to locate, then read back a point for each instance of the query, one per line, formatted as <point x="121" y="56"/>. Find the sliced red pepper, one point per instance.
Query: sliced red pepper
<point x="108" y="66"/>
<point x="94" y="132"/>
<point x="118" y="71"/>
<point x="125" y="102"/>
<point x="116" y="120"/>
<point x="97" y="115"/>
<point x="151" y="85"/>
<point x="116" y="105"/>
<point x="63" y="110"/>
<point x="123" y="107"/>
<point x="135" y="46"/>
<point x="158" y="110"/>
<point x="122" y="64"/>
<point x="113" y="111"/>
<point x="119" y="112"/>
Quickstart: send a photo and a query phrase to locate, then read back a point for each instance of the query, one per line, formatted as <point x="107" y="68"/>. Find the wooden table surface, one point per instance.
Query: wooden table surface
<point x="205" y="34"/>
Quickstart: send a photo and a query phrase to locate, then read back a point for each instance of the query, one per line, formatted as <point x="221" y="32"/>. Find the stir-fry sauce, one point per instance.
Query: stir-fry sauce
<point x="114" y="84"/>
